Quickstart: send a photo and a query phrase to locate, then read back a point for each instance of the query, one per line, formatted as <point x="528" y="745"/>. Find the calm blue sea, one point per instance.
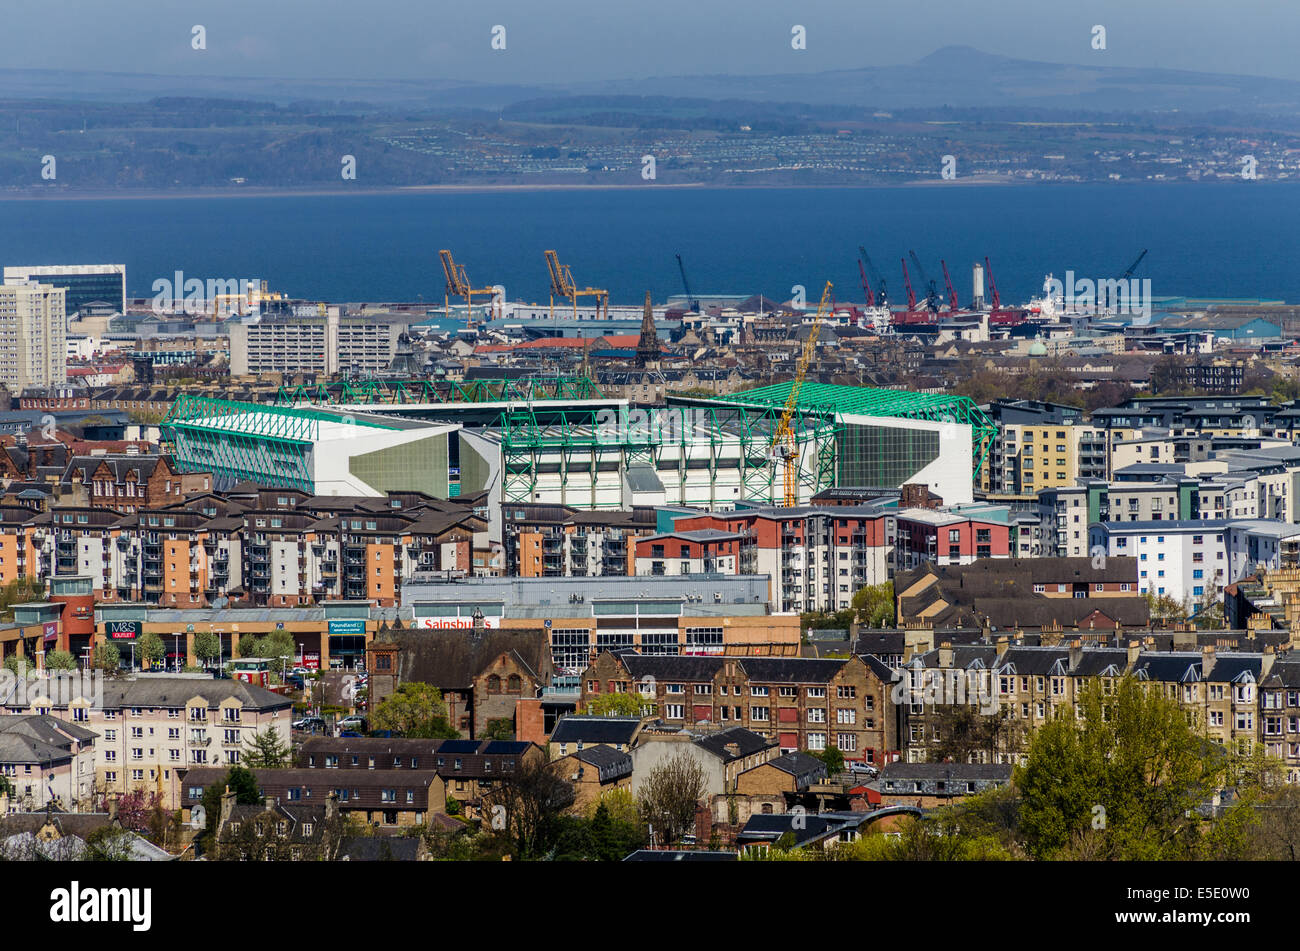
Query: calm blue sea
<point x="1210" y="240"/>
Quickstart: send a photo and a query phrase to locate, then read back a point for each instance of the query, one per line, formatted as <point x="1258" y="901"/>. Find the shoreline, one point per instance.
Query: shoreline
<point x="154" y="194"/>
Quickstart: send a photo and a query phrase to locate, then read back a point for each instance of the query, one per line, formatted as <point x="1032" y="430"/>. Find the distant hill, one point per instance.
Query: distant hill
<point x="958" y="76"/>
<point x="962" y="76"/>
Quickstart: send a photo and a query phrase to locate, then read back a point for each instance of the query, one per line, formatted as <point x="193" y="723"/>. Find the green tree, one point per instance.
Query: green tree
<point x="106" y="657"/>
<point x="831" y="756"/>
<point x="207" y="647"/>
<point x="18" y="666"/>
<point x="1165" y="607"/>
<point x="612" y="838"/>
<point x="875" y="604"/>
<point x="60" y="660"/>
<point x="108" y="844"/>
<point x="151" y="649"/>
<point x="267" y="751"/>
<point x="1121" y="780"/>
<point x="243" y="784"/>
<point x="499" y="728"/>
<point x="629" y="704"/>
<point x="414" y="710"/>
<point x="277" y="645"/>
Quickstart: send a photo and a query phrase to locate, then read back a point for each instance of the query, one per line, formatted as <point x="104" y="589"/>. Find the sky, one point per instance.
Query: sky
<point x="582" y="40"/>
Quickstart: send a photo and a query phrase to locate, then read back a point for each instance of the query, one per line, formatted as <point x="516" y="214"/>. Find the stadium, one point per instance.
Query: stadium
<point x="557" y="441"/>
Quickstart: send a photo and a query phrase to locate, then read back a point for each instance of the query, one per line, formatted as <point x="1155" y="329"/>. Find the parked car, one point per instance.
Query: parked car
<point x="864" y="768"/>
<point x="349" y="733"/>
<point x="353" y="723"/>
<point x="308" y="724"/>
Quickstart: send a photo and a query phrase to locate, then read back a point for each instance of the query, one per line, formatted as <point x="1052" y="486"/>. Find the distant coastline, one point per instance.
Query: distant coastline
<point x="40" y="194"/>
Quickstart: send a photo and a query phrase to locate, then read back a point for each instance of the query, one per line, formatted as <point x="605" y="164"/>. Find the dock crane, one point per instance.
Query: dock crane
<point x="881" y="296"/>
<point x="785" y="445"/>
<point x="947" y="281"/>
<point x="907" y="284"/>
<point x="562" y="285"/>
<point x="691" y="302"/>
<point x="866" y="286"/>
<point x="1123" y="277"/>
<point x="458" y="286"/>
<point x="993" y="287"/>
<point x="931" y="289"/>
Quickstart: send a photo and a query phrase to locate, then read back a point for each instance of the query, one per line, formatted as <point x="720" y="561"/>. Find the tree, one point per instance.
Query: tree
<point x="18" y="666"/>
<point x="135" y="809"/>
<point x="106" y="657"/>
<point x="60" y="660"/>
<point x="1210" y="614"/>
<point x="629" y="704"/>
<point x="243" y="784"/>
<point x="1122" y="780"/>
<point x="669" y="797"/>
<point x="152" y="650"/>
<point x="277" y="645"/>
<point x="613" y="838"/>
<point x="108" y="844"/>
<point x="1165" y="607"/>
<point x="529" y="805"/>
<point x="207" y="647"/>
<point x="964" y="731"/>
<point x="875" y="604"/>
<point x="831" y="756"/>
<point x="267" y="751"/>
<point x="414" y="710"/>
<point x="499" y="728"/>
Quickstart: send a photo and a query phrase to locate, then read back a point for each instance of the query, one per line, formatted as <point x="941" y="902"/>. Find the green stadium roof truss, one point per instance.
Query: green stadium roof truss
<point x="837" y="400"/>
<point x="403" y="392"/>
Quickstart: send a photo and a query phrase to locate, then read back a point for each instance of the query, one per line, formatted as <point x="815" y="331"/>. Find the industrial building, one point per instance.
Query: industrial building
<point x="85" y="284"/>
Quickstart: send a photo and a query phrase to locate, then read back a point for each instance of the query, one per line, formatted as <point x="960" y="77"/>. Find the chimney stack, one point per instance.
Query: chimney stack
<point x="1207" y="661"/>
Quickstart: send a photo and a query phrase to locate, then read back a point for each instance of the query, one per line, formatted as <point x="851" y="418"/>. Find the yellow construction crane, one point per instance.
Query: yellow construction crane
<point x="785" y="446"/>
<point x="458" y="286"/>
<point x="562" y="286"/>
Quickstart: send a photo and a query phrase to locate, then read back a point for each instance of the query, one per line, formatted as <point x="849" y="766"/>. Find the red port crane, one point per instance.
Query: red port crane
<point x="866" y="286"/>
<point x="952" y="294"/>
<point x="907" y="283"/>
<point x="993" y="287"/>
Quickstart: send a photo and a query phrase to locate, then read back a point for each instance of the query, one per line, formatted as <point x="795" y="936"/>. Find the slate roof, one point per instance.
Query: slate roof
<point x="609" y="763"/>
<point x="747" y="742"/>
<point x="584" y="729"/>
<point x="805" y="769"/>
<point x="452" y="659"/>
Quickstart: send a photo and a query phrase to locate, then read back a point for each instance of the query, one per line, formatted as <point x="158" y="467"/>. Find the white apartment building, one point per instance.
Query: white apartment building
<point x="1180" y="559"/>
<point x="153" y="728"/>
<point x="33" y="346"/>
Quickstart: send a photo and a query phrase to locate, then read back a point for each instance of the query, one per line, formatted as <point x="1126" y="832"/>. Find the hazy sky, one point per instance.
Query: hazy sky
<point x="573" y="40"/>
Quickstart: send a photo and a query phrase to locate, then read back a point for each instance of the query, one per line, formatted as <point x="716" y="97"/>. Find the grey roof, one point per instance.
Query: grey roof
<point x="745" y="743"/>
<point x="609" y="763"/>
<point x="156" y="691"/>
<point x="584" y="729"/>
<point x="805" y="769"/>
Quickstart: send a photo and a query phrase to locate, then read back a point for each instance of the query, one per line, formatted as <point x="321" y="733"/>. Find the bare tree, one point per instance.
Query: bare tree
<point x="670" y="795"/>
<point x="529" y="807"/>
